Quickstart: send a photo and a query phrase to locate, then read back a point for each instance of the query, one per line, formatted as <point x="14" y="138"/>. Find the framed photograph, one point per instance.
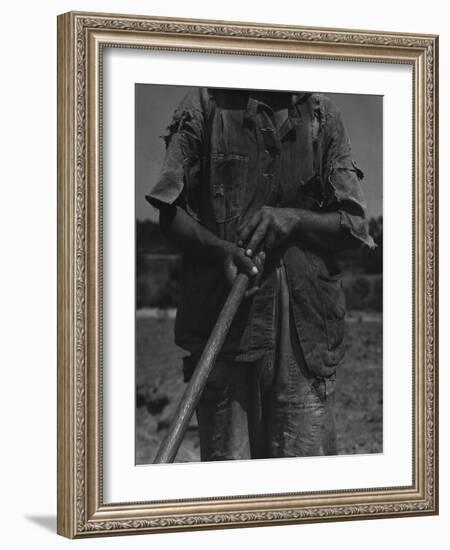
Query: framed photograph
<point x="247" y="274"/>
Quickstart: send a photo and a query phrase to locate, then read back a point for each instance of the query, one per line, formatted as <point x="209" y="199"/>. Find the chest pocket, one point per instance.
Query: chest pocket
<point x="229" y="172"/>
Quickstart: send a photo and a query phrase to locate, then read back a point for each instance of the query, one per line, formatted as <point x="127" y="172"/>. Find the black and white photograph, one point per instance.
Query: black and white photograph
<point x="259" y="262"/>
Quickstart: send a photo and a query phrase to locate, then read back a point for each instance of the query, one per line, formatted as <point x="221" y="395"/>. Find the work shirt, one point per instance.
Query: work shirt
<point x="230" y="152"/>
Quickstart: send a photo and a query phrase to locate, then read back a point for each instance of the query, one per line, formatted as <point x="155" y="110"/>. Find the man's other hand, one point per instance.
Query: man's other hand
<point x="267" y="228"/>
<point x="234" y="261"/>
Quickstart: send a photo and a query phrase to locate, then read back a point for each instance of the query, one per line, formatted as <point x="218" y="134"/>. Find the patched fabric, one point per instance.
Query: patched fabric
<point x="228" y="153"/>
<point x="271" y="408"/>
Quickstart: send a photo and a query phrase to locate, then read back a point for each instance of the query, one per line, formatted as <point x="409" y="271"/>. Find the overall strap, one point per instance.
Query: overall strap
<point x="210" y="111"/>
<point x="317" y="126"/>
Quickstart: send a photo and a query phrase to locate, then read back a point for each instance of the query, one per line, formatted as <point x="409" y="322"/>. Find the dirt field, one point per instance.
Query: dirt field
<point x="159" y="385"/>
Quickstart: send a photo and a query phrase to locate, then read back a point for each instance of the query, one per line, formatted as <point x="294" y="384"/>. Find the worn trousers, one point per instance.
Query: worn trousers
<point x="272" y="407"/>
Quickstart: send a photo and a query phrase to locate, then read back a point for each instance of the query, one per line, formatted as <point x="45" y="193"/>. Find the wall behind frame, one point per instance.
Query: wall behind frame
<point x="28" y="275"/>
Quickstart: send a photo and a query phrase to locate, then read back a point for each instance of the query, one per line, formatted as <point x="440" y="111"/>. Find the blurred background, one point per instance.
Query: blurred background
<point x="159" y="380"/>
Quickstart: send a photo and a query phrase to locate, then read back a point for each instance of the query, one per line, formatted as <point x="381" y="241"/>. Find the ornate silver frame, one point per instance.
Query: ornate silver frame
<point x="81" y="38"/>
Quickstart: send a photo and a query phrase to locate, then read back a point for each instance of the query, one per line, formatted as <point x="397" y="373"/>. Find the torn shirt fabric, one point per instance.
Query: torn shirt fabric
<point x="230" y="152"/>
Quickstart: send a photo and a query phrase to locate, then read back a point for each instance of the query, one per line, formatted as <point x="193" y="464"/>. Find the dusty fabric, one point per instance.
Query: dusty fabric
<point x="273" y="407"/>
<point x="228" y="154"/>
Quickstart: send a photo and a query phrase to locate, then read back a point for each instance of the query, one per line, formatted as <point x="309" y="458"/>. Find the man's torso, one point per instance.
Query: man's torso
<point x="262" y="151"/>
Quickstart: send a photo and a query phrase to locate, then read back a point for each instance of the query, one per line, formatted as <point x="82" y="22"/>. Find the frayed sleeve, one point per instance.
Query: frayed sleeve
<point x="342" y="179"/>
<point x="180" y="175"/>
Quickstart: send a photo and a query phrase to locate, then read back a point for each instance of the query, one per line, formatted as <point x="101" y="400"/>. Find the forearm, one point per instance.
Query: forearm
<point x="272" y="227"/>
<point x="322" y="230"/>
<point x="196" y="241"/>
<point x="190" y="236"/>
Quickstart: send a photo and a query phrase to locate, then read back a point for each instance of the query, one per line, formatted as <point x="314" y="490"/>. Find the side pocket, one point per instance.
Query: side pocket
<point x="335" y="332"/>
<point x="333" y="300"/>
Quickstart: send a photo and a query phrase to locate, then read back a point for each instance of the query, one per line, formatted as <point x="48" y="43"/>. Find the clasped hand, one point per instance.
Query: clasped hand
<point x="267" y="228"/>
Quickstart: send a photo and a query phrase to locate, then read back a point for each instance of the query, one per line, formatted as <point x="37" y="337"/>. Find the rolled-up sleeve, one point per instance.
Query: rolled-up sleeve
<point x="180" y="175"/>
<point x="343" y="178"/>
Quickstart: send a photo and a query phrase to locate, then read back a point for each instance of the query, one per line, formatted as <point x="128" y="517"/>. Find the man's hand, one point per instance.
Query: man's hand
<point x="267" y="228"/>
<point x="235" y="261"/>
<point x="198" y="242"/>
<point x="270" y="227"/>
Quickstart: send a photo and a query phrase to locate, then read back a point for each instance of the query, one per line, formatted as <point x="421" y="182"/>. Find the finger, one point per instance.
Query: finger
<point x="257" y="238"/>
<point x="270" y="240"/>
<point x="252" y="291"/>
<point x="259" y="260"/>
<point x="245" y="265"/>
<point x="246" y="229"/>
